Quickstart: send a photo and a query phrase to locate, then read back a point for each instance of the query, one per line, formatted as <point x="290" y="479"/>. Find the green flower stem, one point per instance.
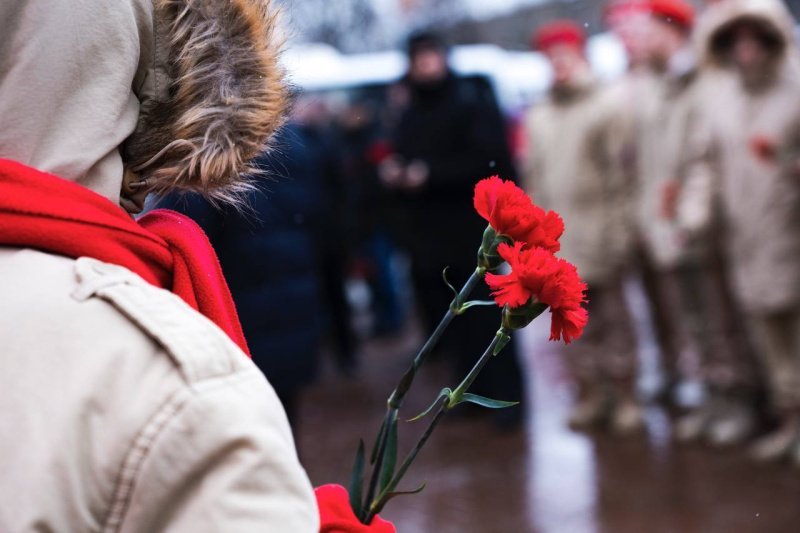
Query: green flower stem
<point x="500" y="341"/>
<point x="376" y="506"/>
<point x="399" y="394"/>
<point x="395" y="401"/>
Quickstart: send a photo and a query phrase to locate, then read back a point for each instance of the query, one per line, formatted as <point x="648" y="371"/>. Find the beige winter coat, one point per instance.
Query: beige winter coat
<point x="760" y="194"/>
<point x="576" y="167"/>
<point x="669" y="155"/>
<point x="122" y="408"/>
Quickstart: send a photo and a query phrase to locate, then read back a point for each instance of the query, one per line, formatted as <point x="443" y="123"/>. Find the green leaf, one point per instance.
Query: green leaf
<point x="476" y="303"/>
<point x="357" y="481"/>
<point x="457" y="301"/>
<point x="404" y="386"/>
<point x="397" y="493"/>
<point x="446" y="392"/>
<point x="390" y="457"/>
<point x="486" y="402"/>
<point x="374" y="455"/>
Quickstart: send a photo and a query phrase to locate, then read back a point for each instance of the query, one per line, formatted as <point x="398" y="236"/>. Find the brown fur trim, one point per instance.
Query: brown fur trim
<point x="226" y="97"/>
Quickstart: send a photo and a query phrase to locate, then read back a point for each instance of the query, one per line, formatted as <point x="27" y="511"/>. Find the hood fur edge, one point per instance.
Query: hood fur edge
<point x="225" y="100"/>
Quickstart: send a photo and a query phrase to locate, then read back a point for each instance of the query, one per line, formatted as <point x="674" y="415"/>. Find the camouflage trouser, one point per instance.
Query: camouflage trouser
<point x="716" y="326"/>
<point x="664" y="305"/>
<point x="777" y="338"/>
<point x="607" y="350"/>
<point x="693" y="304"/>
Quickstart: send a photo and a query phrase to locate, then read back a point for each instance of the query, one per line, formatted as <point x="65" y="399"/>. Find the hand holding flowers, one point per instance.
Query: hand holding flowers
<point x="527" y="238"/>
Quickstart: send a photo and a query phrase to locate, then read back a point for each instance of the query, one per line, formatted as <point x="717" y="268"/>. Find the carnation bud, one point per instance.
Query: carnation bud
<point x="488" y="258"/>
<point x="520" y="317"/>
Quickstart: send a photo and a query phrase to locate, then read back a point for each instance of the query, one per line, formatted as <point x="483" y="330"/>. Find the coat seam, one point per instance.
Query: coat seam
<point x="148" y="436"/>
<point x="136" y="456"/>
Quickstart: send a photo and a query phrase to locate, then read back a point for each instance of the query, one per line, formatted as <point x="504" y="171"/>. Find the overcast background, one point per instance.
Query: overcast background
<point x="370" y="25"/>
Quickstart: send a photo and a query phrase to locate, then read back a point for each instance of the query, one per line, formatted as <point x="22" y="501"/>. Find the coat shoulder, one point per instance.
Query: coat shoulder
<point x="57" y="302"/>
<point x="120" y="389"/>
<point x="40" y="312"/>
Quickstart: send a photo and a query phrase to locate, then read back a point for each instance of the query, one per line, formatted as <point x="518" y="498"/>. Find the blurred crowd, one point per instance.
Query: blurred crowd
<point x="686" y="172"/>
<point x="684" y="175"/>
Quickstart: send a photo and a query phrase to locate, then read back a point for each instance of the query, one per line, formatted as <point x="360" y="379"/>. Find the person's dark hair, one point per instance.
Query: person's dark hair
<point x="425" y="40"/>
<point x="769" y="36"/>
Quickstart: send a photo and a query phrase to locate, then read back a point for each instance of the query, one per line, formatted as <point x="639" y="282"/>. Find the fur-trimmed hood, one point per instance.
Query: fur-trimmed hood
<point x="771" y="14"/>
<point x="140" y="96"/>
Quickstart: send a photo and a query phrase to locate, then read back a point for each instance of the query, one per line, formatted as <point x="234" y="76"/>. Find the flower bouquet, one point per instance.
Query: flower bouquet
<point x="524" y="236"/>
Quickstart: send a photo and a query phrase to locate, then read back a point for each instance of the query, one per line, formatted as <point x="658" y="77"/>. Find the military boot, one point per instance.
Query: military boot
<point x="779" y="444"/>
<point x="734" y="422"/>
<point x="795" y="453"/>
<point x="627" y="416"/>
<point x="694" y="425"/>
<point x="592" y="408"/>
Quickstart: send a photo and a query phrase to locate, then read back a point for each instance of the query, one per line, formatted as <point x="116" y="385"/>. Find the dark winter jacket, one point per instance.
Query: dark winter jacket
<point x="456" y="129"/>
<point x="269" y="255"/>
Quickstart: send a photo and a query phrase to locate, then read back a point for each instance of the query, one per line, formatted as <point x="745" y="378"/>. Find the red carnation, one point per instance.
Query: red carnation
<point x="537" y="276"/>
<point x="547" y="232"/>
<point x="764" y="148"/>
<point x="510" y="211"/>
<point x="379" y="152"/>
<point x="336" y="515"/>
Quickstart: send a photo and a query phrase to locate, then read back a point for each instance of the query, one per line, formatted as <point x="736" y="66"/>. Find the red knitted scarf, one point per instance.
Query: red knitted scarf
<point x="167" y="249"/>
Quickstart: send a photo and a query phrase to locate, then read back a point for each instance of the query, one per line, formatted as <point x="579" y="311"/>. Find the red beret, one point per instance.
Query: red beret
<point x="619" y="9"/>
<point x="678" y="12"/>
<point x="559" y="32"/>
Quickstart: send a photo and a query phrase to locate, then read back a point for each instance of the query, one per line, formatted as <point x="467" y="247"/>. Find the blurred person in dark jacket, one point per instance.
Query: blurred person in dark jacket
<point x="337" y="236"/>
<point x="271" y="258"/>
<point x="450" y="136"/>
<point x="364" y="145"/>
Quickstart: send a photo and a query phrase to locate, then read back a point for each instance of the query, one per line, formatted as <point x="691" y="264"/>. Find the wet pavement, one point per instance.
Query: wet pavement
<point x="543" y="478"/>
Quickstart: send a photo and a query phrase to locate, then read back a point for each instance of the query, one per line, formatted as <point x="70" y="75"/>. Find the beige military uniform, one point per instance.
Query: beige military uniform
<point x="682" y="248"/>
<point x="760" y="192"/>
<point x="576" y="167"/>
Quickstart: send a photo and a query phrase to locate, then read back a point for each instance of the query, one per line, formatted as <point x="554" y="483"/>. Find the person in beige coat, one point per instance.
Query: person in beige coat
<point x="576" y="167"/>
<point x="678" y="227"/>
<point x="123" y="409"/>
<point x="639" y="88"/>
<point x="755" y="137"/>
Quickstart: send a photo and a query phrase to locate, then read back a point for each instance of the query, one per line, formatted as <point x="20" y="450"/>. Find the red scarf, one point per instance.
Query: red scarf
<point x="167" y="249"/>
